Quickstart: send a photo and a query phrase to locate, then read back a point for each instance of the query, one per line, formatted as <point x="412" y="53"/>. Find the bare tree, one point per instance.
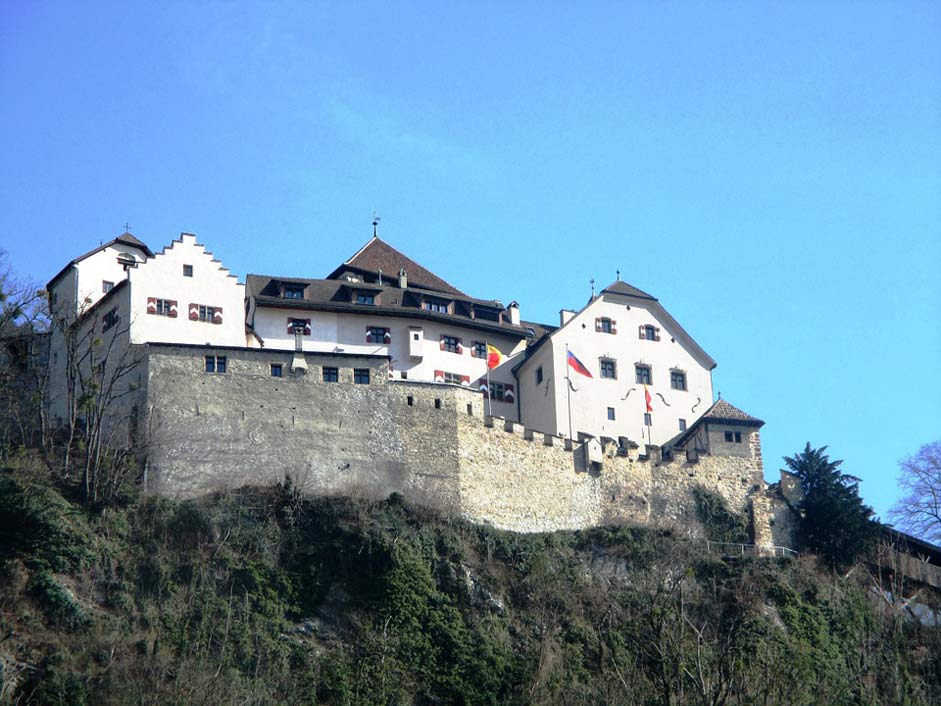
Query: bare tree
<point x="918" y="512"/>
<point x="23" y="326"/>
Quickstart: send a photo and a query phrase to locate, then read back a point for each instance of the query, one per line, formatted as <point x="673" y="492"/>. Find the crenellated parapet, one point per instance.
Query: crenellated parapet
<point x="343" y="427"/>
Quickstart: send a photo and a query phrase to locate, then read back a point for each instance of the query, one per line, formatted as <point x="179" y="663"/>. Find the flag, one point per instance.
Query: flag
<point x="647" y="399"/>
<point x="576" y="364"/>
<point x="494" y="357"/>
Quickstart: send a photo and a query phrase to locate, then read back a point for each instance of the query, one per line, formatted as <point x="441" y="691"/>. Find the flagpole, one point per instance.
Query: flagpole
<point x="489" y="390"/>
<point x="568" y="389"/>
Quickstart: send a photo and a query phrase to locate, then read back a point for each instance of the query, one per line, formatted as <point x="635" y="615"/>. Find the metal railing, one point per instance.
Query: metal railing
<point x="731" y="550"/>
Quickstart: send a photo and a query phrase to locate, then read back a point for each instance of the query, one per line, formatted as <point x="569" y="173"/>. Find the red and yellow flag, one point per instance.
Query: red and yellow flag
<point x="494" y="357"/>
<point x="647" y="399"/>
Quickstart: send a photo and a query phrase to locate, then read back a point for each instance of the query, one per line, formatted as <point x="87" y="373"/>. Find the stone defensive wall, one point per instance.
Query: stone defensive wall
<point x="434" y="443"/>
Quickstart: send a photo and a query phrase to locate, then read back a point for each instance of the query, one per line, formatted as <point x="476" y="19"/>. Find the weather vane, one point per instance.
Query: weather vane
<point x="375" y="225"/>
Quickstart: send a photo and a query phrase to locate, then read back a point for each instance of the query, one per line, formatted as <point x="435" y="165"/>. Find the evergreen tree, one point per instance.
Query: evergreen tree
<point x="834" y="522"/>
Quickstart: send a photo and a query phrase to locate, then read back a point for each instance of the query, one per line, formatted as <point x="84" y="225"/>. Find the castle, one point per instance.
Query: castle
<point x="383" y="377"/>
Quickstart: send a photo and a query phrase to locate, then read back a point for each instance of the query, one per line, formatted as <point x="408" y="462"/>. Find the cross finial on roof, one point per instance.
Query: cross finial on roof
<point x="592" y="286"/>
<point x="720" y="394"/>
<point x="375" y="225"/>
<point x="619" y="275"/>
<point x="127" y="228"/>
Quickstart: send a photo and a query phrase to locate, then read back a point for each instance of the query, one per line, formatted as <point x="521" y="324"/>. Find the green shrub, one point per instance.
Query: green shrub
<point x="57" y="603"/>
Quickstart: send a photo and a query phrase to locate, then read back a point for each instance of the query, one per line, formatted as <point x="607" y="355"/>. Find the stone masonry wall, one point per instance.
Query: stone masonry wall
<point x="432" y="442"/>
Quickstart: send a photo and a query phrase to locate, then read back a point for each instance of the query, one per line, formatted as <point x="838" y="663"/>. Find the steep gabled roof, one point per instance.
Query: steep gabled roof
<point x="378" y="255"/>
<point x="124" y="239"/>
<point x="620" y="287"/>
<point x="722" y="411"/>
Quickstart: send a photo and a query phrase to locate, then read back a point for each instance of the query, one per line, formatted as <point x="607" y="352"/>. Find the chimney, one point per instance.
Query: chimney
<point x="565" y="315"/>
<point x="403" y="279"/>
<point x="514" y="311"/>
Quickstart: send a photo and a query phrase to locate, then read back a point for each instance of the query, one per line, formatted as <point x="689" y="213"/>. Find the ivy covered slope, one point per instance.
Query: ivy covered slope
<point x="262" y="597"/>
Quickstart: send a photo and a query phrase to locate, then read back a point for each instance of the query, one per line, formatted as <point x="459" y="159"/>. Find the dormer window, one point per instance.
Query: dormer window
<point x="440" y="307"/>
<point x="365" y="298"/>
<point x="294" y="291"/>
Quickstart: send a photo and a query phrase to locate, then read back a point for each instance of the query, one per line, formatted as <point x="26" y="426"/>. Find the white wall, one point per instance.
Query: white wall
<point x="539" y="402"/>
<point x="346" y="332"/>
<point x="593" y="396"/>
<point x="212" y="284"/>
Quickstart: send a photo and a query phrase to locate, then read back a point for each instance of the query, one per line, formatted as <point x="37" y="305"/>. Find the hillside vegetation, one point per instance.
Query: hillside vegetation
<point x="264" y="597"/>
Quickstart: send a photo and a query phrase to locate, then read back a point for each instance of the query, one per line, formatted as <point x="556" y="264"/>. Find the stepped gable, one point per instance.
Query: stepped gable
<point x="212" y="258"/>
<point x="378" y="255"/>
<point x="722" y="411"/>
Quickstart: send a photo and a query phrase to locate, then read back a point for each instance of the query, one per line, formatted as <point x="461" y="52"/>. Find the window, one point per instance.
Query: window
<point x="409" y="400"/>
<point x="479" y="350"/>
<point x="440" y="307"/>
<point x="453" y="378"/>
<point x="110" y="320"/>
<point x="497" y="391"/>
<point x="187" y="270"/>
<point x="437" y="403"/>
<point x="276" y="370"/>
<point x="294" y="291"/>
<point x="608" y="369"/>
<point x="451" y="344"/>
<point x="106" y="286"/>
<point x="650" y="333"/>
<point x="642" y="374"/>
<point x="677" y="379"/>
<point x="539" y="375"/>
<point x="682" y="425"/>
<point x="215" y="364"/>
<point x="378" y="334"/>
<point x="163" y="307"/>
<point x="362" y="298"/>
<point x="207" y="313"/>
<point x="604" y="325"/>
<point x="331" y="374"/>
<point x="415" y="336"/>
<point x="648" y="420"/>
<point x="361" y="376"/>
<point x="611" y="414"/>
<point x="733" y="437"/>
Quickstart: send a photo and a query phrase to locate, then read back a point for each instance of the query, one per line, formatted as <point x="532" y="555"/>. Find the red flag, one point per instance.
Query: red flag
<point x="647" y="399"/>
<point x="576" y="364"/>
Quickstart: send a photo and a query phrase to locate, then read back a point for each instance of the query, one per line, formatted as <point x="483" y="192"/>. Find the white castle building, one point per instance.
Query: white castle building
<point x="649" y="380"/>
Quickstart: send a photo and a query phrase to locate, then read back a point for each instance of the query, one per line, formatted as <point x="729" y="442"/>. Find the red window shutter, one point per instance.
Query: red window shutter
<point x="194" y="312"/>
<point x="657" y="334"/>
<point x="465" y="379"/>
<point x="151" y="305"/>
<point x="368" y="334"/>
<point x="217" y="315"/>
<point x="460" y="348"/>
<point x="614" y="326"/>
<point x="640" y="332"/>
<point x="290" y="325"/>
<point x="387" y="336"/>
<point x="597" y="325"/>
<point x="439" y="376"/>
<point x="172" y="308"/>
<point x="508" y="394"/>
<point x="482" y="386"/>
<point x="441" y="345"/>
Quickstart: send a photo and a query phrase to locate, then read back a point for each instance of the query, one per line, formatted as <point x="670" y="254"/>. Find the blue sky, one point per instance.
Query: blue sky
<point x="770" y="171"/>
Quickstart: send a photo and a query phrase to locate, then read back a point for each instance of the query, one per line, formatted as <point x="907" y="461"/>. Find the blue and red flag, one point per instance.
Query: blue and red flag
<point x="577" y="365"/>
